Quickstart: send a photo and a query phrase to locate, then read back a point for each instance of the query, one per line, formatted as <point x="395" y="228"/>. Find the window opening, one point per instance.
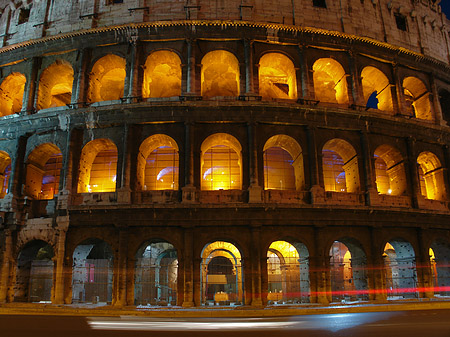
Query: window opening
<point x="320" y="3"/>
<point x="278" y="170"/>
<point x="400" y="20"/>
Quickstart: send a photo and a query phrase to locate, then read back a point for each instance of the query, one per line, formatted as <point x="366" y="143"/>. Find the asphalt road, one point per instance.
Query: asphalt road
<point x="435" y="323"/>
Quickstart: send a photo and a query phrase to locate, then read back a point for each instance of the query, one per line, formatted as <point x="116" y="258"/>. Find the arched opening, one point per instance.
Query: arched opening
<point x="43" y="172"/>
<point x="288" y="273"/>
<point x="444" y="100"/>
<point x="92" y="272"/>
<point x="98" y="165"/>
<point x="417" y="98"/>
<point x="389" y="171"/>
<point x="156" y="272"/>
<point x="162" y="75"/>
<point x="221" y="163"/>
<point x="340" y="167"/>
<point x="277" y="78"/>
<point x="34" y="273"/>
<point x="431" y="176"/>
<point x="330" y="81"/>
<point x="376" y="89"/>
<point x="107" y="79"/>
<point x="440" y="267"/>
<point x="348" y="271"/>
<point x="283" y="164"/>
<point x="157" y="167"/>
<point x="55" y="85"/>
<point x="220" y="74"/>
<point x="400" y="269"/>
<point x="5" y="173"/>
<point x="221" y="275"/>
<point x="11" y="94"/>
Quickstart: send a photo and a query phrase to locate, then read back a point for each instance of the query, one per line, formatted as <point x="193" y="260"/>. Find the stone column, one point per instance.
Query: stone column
<point x="80" y="84"/>
<point x="367" y="168"/>
<point x="130" y="87"/>
<point x="254" y="190"/>
<point x="6" y="266"/>
<point x="197" y="280"/>
<point x="249" y="79"/>
<point x="402" y="109"/>
<point x="190" y="85"/>
<point x="63" y="225"/>
<point x="376" y="268"/>
<point x="320" y="269"/>
<point x="256" y="267"/>
<point x="317" y="192"/>
<point x="436" y="105"/>
<point x="357" y="94"/>
<point x="121" y="274"/>
<point x="188" y="190"/>
<point x="423" y="267"/>
<point x="123" y="174"/>
<point x="31" y="86"/>
<point x="307" y="78"/>
<point x="186" y="275"/>
<point x="412" y="170"/>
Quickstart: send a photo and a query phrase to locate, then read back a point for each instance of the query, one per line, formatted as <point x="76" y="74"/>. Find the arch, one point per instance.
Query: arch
<point x="98" y="166"/>
<point x="162" y="75"/>
<point x="156" y="273"/>
<point x="439" y="252"/>
<point x="44" y="165"/>
<point x="221" y="163"/>
<point x="348" y="271"/>
<point x="431" y="176"/>
<point x="34" y="273"/>
<point x="55" y="85"/>
<point x="11" y="94"/>
<point x="375" y="81"/>
<point x="220" y="74"/>
<point x="107" y="79"/>
<point x="283" y="164"/>
<point x="158" y="163"/>
<point x="288" y="273"/>
<point x="417" y="98"/>
<point x="340" y="166"/>
<point x="330" y="81"/>
<point x="400" y="269"/>
<point x="277" y="77"/>
<point x="92" y="272"/>
<point x="444" y="100"/>
<point x="389" y="171"/>
<point x="5" y="173"/>
<point x="221" y="283"/>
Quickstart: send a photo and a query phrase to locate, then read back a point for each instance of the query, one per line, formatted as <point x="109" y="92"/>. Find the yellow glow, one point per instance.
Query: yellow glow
<point x="162" y="75"/>
<point x="375" y="80"/>
<point x="285" y="249"/>
<point x="389" y="170"/>
<point x="431" y="254"/>
<point x="330" y="81"/>
<point x="431" y="176"/>
<point x="107" y="78"/>
<point x="5" y="171"/>
<point x="417" y="98"/>
<point x="277" y="77"/>
<point x="11" y="94"/>
<point x="55" y="85"/>
<point x="388" y="246"/>
<point x="220" y="74"/>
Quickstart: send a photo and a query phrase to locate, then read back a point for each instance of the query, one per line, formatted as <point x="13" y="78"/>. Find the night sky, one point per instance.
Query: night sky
<point x="445" y="5"/>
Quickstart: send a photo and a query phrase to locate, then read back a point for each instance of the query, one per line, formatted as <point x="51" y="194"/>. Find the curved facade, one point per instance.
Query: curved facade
<point x="197" y="154"/>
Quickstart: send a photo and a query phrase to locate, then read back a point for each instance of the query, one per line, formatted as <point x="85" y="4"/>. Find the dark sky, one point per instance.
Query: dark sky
<point x="445" y="5"/>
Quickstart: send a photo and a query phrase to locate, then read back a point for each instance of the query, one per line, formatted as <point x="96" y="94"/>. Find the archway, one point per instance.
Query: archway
<point x="389" y="171"/>
<point x="440" y="267"/>
<point x="162" y="75"/>
<point x="158" y="161"/>
<point x="107" y="79"/>
<point x="92" y="272"/>
<point x="277" y="78"/>
<point x="376" y="89"/>
<point x="221" y="163"/>
<point x="98" y="166"/>
<point x="221" y="275"/>
<point x="288" y="273"/>
<point x="11" y="94"/>
<point x="220" y="74"/>
<point x="431" y="176"/>
<point x="55" y="85"/>
<point x="283" y="164"/>
<point x="340" y="167"/>
<point x="400" y="269"/>
<point x="34" y="273"/>
<point x="43" y="172"/>
<point x="156" y="273"/>
<point x="417" y="98"/>
<point x="330" y="81"/>
<point x="5" y="172"/>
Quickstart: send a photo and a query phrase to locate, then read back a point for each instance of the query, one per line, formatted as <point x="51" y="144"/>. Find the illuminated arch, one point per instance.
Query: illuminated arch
<point x="376" y="84"/>
<point x="439" y="253"/>
<point x="340" y="167"/>
<point x="11" y="94"/>
<point x="221" y="274"/>
<point x="158" y="162"/>
<point x="162" y="75"/>
<point x="417" y="98"/>
<point x="98" y="165"/>
<point x="5" y="172"/>
<point x="330" y="81"/>
<point x="55" y="85"/>
<point x="431" y="176"/>
<point x="220" y="74"/>
<point x="43" y="172"/>
<point x="389" y="171"/>
<point x="283" y="164"/>
<point x="277" y="77"/>
<point x="221" y="163"/>
<point x="107" y="79"/>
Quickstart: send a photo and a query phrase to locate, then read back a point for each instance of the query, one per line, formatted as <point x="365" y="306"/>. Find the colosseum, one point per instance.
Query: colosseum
<point x="193" y="153"/>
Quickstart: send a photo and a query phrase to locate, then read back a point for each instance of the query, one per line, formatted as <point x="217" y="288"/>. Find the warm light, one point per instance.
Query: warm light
<point x="55" y="85"/>
<point x="417" y="98"/>
<point x="106" y="81"/>
<point x="431" y="176"/>
<point x="11" y="94"/>
<point x="5" y="172"/>
<point x="162" y="75"/>
<point x="220" y="74"/>
<point x="330" y="81"/>
<point x="374" y="80"/>
<point x="277" y="78"/>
